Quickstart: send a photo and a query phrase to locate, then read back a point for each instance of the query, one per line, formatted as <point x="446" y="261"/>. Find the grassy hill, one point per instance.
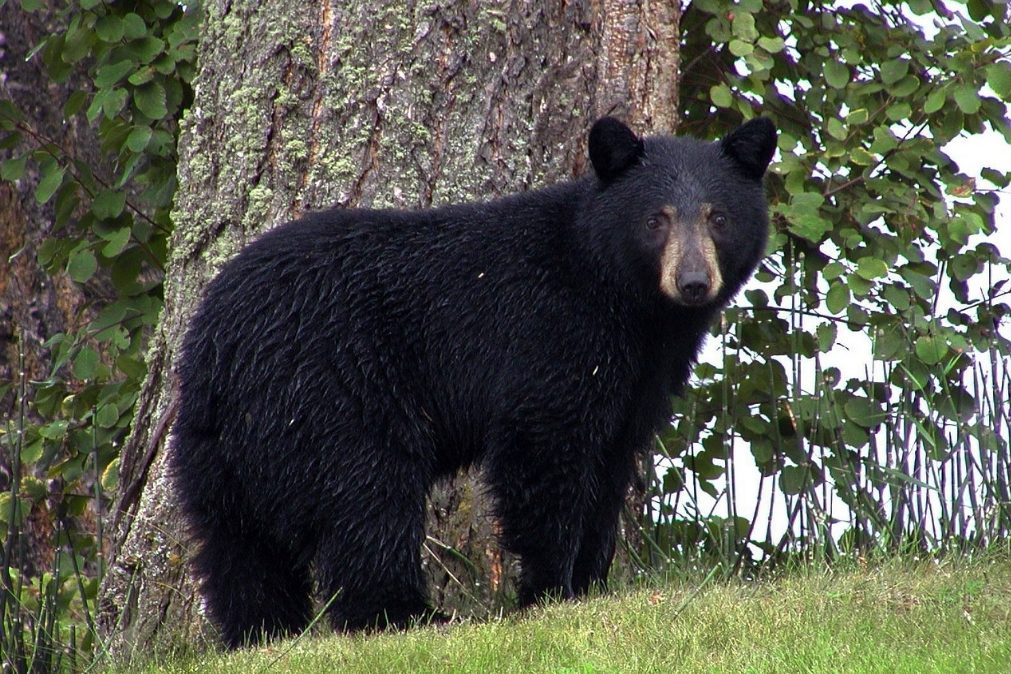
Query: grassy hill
<point x="899" y="617"/>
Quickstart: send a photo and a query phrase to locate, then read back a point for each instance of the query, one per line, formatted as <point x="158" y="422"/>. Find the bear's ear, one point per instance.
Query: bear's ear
<point x="751" y="146"/>
<point x="613" y="148"/>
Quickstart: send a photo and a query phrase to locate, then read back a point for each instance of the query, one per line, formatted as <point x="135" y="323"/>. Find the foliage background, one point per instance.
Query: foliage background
<point x="878" y="234"/>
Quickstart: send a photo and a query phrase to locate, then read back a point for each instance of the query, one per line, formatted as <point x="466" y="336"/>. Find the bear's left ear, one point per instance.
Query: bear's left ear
<point x="751" y="146"/>
<point x="613" y="148"/>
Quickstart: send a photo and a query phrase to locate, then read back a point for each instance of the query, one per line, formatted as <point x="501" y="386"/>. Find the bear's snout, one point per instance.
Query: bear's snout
<point x="693" y="286"/>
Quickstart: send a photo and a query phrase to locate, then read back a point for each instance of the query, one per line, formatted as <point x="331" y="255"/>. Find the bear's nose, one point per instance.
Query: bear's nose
<point x="693" y="286"/>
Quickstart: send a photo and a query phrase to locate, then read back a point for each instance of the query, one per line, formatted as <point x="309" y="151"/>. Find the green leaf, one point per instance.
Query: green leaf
<point x="13" y="169"/>
<point x="935" y="101"/>
<point x="138" y="138"/>
<point x="672" y="481"/>
<point x="114" y="102"/>
<point x="52" y="56"/>
<point x="164" y="64"/>
<point x="805" y="218"/>
<point x="793" y="479"/>
<point x="150" y="100"/>
<point x="967" y="99"/>
<point x="859" y="285"/>
<point x="106" y="416"/>
<point x="899" y="112"/>
<point x="884" y="140"/>
<point x="741" y="48"/>
<point x="837" y="74"/>
<point x="889" y="344"/>
<point x="836" y="128"/>
<point x="833" y="270"/>
<point x="864" y="412"/>
<point x="998" y="76"/>
<point x="66" y="202"/>
<point x="108" y="204"/>
<point x="147" y="48"/>
<point x="931" y="349"/>
<point x="117" y="241"/>
<point x="77" y="43"/>
<point x="965" y="225"/>
<point x="859" y="155"/>
<point x="893" y="71"/>
<point x="978" y="9"/>
<point x="109" y="316"/>
<point x="54" y="430"/>
<point x="743" y="26"/>
<point x="82" y="265"/>
<point x="761" y="449"/>
<point x="773" y="45"/>
<point x="964" y="266"/>
<point x="826" y="333"/>
<point x="109" y="74"/>
<point x="86" y="363"/>
<point x="31" y="5"/>
<point x="858" y="116"/>
<point x="133" y="26"/>
<point x="141" y="76"/>
<point x="126" y="171"/>
<point x="922" y="285"/>
<point x="53" y="253"/>
<point x="110" y="476"/>
<point x="109" y="28"/>
<point x="52" y="178"/>
<point x="74" y="103"/>
<point x="720" y="96"/>
<point x="10" y="113"/>
<point x="897" y="297"/>
<point x="838" y="298"/>
<point x="871" y="268"/>
<point x="31" y="453"/>
<point x="905" y="86"/>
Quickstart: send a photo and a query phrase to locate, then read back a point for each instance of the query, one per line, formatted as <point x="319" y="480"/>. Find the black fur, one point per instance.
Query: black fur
<point x="613" y="148"/>
<point x="752" y="146"/>
<point x="343" y="363"/>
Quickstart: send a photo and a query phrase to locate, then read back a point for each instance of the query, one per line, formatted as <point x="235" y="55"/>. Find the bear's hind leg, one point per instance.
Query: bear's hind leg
<point x="253" y="588"/>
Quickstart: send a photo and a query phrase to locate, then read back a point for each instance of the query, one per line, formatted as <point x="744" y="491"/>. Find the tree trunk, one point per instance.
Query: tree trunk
<point x="300" y="106"/>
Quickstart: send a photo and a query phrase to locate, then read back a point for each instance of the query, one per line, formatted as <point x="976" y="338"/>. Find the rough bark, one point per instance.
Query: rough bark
<point x="305" y="105"/>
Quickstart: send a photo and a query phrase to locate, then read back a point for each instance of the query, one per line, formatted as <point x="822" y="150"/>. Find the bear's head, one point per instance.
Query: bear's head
<point x="681" y="217"/>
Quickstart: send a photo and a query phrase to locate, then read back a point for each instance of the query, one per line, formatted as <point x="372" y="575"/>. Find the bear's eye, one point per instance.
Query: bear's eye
<point x="718" y="219"/>
<point x="653" y="222"/>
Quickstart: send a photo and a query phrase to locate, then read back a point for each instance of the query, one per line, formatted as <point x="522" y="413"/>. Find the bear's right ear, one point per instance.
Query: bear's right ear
<point x="751" y="146"/>
<point x="613" y="148"/>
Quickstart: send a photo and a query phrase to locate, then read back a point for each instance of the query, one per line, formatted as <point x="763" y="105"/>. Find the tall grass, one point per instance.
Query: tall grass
<point x="46" y="616"/>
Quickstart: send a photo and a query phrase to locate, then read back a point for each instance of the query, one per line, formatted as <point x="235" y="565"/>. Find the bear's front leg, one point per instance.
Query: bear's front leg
<point x="600" y="529"/>
<point x="543" y="494"/>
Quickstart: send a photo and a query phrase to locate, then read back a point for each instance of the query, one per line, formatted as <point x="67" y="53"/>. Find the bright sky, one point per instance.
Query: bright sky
<point x="987" y="150"/>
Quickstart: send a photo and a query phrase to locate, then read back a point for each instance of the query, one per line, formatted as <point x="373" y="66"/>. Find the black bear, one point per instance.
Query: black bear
<point x="342" y="363"/>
